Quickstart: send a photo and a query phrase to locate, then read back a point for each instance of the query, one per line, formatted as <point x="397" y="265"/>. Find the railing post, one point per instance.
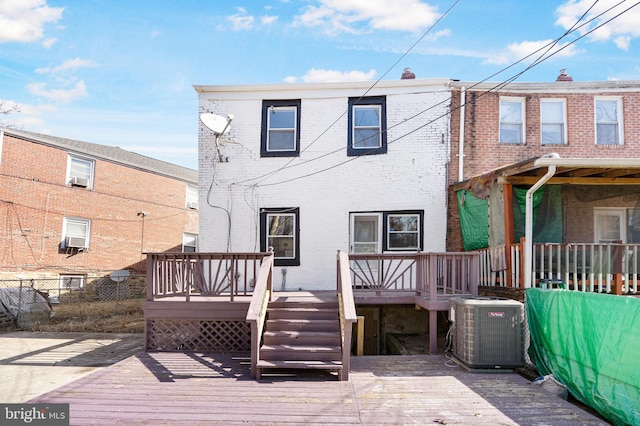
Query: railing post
<point x="150" y="276"/>
<point x="522" y="268"/>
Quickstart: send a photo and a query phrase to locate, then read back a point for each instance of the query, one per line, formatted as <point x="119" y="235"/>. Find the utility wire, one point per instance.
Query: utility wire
<point x="497" y="87"/>
<point x="269" y="174"/>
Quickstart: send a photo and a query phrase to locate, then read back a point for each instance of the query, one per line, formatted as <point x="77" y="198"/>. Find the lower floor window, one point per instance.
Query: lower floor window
<point x="376" y="232"/>
<point x="280" y="229"/>
<point x="72" y="282"/>
<point x="189" y="243"/>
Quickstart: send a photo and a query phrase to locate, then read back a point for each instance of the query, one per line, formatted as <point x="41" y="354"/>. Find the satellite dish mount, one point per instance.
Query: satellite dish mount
<point x="218" y="124"/>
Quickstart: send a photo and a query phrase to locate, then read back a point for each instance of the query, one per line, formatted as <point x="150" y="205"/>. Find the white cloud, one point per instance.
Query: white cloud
<point x="268" y="19"/>
<point x="47" y="43"/>
<point x="331" y="76"/>
<point x="621" y="29"/>
<point x="24" y="20"/>
<point x="336" y="16"/>
<point x="67" y="65"/>
<point x="60" y="96"/>
<point x="532" y="50"/>
<point x="241" y="22"/>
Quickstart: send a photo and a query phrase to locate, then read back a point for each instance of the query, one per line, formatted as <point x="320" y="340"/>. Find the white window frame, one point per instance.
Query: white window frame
<point x="355" y="245"/>
<point x="87" y="162"/>
<point x="619" y="123"/>
<point x="189" y="240"/>
<point x="562" y="123"/>
<point x="293" y="130"/>
<point x="77" y="221"/>
<point x="378" y="127"/>
<point x="390" y="232"/>
<point x="80" y="279"/>
<point x="191" y="197"/>
<point x="521" y="122"/>
<point x="602" y="212"/>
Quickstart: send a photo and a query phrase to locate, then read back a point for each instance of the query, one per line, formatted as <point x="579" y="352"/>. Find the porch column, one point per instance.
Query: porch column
<point x="507" y="196"/>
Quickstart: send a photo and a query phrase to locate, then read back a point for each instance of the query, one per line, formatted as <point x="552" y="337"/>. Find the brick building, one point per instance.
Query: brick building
<point x="74" y="209"/>
<point x="589" y="128"/>
<point x="314" y="168"/>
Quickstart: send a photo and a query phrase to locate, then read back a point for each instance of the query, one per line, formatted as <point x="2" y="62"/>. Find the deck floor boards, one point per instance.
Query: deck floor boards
<point x="195" y="388"/>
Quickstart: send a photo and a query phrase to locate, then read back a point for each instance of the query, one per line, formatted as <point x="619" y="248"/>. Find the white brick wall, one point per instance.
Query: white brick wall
<point x="410" y="176"/>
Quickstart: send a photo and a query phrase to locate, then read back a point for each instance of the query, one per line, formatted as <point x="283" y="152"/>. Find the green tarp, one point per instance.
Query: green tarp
<point x="547" y="214"/>
<point x="590" y="342"/>
<point x="474" y="221"/>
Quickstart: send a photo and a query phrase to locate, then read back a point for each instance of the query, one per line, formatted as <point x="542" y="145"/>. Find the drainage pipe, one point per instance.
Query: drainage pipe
<point x="461" y="145"/>
<point x="528" y="222"/>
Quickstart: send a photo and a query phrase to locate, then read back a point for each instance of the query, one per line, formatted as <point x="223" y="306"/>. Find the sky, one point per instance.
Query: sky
<point x="121" y="72"/>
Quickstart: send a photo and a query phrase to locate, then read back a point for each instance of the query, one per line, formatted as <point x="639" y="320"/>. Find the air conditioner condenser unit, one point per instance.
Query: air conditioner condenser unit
<point x="487" y="332"/>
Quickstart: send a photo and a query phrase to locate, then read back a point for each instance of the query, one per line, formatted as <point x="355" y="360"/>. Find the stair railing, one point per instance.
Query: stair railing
<point x="257" y="313"/>
<point x="347" y="311"/>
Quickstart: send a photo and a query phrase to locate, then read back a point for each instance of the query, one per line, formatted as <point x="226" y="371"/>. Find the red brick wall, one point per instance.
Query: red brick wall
<point x="34" y="200"/>
<point x="483" y="152"/>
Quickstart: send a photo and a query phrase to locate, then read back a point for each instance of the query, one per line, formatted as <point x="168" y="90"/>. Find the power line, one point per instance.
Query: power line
<point x="499" y="86"/>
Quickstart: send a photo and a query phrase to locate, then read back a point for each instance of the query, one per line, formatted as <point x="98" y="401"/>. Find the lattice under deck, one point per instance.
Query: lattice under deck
<point x="206" y="336"/>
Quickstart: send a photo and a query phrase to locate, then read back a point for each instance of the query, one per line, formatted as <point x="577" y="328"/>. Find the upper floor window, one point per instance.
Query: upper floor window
<point x="512" y="120"/>
<point x="367" y="126"/>
<point x="192" y="197"/>
<point x="280" y="128"/>
<point x="608" y="112"/>
<point x="75" y="232"/>
<point x="553" y="121"/>
<point x="280" y="229"/>
<point x="189" y="242"/>
<point x="80" y="171"/>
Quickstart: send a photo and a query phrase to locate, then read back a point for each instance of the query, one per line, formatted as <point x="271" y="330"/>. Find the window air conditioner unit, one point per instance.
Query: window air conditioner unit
<point x="487" y="332"/>
<point x="77" y="181"/>
<point x="192" y="205"/>
<point x="76" y="242"/>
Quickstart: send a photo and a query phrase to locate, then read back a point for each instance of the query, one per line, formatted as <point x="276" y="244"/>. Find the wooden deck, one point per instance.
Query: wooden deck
<point x="202" y="389"/>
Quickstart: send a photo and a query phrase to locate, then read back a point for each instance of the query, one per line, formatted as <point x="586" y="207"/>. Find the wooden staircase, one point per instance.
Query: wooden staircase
<point x="302" y="332"/>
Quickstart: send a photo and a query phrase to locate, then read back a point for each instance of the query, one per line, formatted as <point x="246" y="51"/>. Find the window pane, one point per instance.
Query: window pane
<point x="510" y="112"/>
<point x="280" y="224"/>
<point x="403" y="223"/>
<point x="283" y="247"/>
<point x="606" y="111"/>
<point x="607" y="134"/>
<point x="281" y="140"/>
<point x="367" y="116"/>
<point x="365" y="231"/>
<point x="280" y="118"/>
<point x="552" y="134"/>
<point x="403" y="240"/>
<point x="366" y="138"/>
<point x="80" y="168"/>
<point x="76" y="229"/>
<point x="511" y="133"/>
<point x="551" y="112"/>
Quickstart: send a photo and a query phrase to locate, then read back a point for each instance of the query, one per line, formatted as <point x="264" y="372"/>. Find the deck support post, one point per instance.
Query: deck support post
<point x="433" y="331"/>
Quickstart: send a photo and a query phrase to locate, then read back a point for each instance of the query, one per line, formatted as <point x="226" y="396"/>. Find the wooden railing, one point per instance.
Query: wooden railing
<point x="202" y="274"/>
<point x="582" y="266"/>
<point x="435" y="275"/>
<point x="257" y="312"/>
<point x="348" y="314"/>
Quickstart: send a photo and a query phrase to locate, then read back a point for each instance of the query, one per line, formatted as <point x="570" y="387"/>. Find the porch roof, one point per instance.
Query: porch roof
<point x="569" y="171"/>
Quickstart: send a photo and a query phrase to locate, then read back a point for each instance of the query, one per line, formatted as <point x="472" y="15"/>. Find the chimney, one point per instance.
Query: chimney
<point x="564" y="76"/>
<point x="407" y="74"/>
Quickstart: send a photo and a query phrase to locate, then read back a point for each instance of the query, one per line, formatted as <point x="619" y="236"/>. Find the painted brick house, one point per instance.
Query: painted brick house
<point x="588" y="132"/>
<point x="310" y="169"/>
<point x="74" y="209"/>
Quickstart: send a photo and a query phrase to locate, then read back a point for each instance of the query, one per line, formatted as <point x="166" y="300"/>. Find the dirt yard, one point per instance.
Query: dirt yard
<point x="124" y="316"/>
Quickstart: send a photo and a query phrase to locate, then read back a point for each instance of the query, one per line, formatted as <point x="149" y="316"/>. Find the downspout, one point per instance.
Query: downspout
<point x="528" y="221"/>
<point x="461" y="147"/>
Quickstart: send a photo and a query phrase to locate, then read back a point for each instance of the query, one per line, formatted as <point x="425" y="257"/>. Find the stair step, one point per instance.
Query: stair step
<point x="302" y="325"/>
<point x="288" y="302"/>
<point x="319" y="365"/>
<point x="301" y="338"/>
<point x="303" y="313"/>
<point x="300" y="353"/>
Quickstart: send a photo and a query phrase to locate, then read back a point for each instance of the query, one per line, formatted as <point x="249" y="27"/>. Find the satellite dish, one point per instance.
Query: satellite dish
<point x="216" y="123"/>
<point x="119" y="276"/>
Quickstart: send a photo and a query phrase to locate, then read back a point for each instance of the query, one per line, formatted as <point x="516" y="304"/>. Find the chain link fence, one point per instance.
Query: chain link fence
<point x="28" y="301"/>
